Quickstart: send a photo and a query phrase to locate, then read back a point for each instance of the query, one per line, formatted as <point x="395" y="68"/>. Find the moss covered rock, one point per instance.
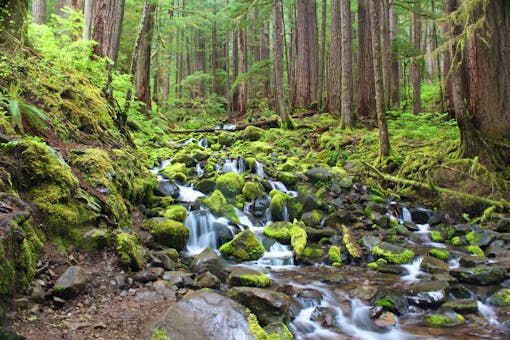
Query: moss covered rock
<point x="176" y="171"/>
<point x="277" y="204"/>
<point x="245" y="246"/>
<point x="280" y="231"/>
<point x="501" y="297"/>
<point x="312" y="218"/>
<point x="219" y="206"/>
<point x="253" y="133"/>
<point x="392" y="253"/>
<point x="131" y="253"/>
<point x="168" y="233"/>
<point x="288" y="178"/>
<point x="176" y="213"/>
<point x="334" y="256"/>
<point x="240" y="276"/>
<point x="230" y="184"/>
<point x="252" y="190"/>
<point x="206" y="185"/>
<point x="350" y="243"/>
<point x="298" y="237"/>
<point x="450" y="319"/>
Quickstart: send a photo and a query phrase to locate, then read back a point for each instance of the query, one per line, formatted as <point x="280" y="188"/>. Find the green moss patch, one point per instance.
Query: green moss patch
<point x="130" y="251"/>
<point x="230" y="184"/>
<point x="245" y="246"/>
<point x="279" y="231"/>
<point x="168" y="233"/>
<point x="393" y="254"/>
<point x="219" y="206"/>
<point x="261" y="280"/>
<point x="176" y="213"/>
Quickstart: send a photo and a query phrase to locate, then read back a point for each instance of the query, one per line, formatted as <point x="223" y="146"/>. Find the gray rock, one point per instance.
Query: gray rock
<point x="149" y="275"/>
<point x="267" y="305"/>
<point x="70" y="283"/>
<point x="380" y="219"/>
<point x="315" y="234"/>
<point x="260" y="206"/>
<point x="504" y="225"/>
<point x="326" y="316"/>
<point x="499" y="249"/>
<point x="462" y="306"/>
<point x="209" y="261"/>
<point x="481" y="275"/>
<point x="179" y="279"/>
<point x="319" y="175"/>
<point x="427" y="293"/>
<point x="302" y="204"/>
<point x="369" y="241"/>
<point x="167" y="188"/>
<point x="432" y="265"/>
<point x="207" y="280"/>
<point x="312" y="218"/>
<point x="204" y="315"/>
<point x="471" y="261"/>
<point x="236" y="273"/>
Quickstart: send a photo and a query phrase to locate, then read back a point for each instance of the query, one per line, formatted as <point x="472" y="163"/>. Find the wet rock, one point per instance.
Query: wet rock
<point x="161" y="287"/>
<point x="365" y="293"/>
<point x="163" y="259"/>
<point x="207" y="280"/>
<point x="312" y="218"/>
<point x="179" y="279"/>
<point x="38" y="293"/>
<point x="434" y="266"/>
<point x="391" y="269"/>
<point x="471" y="261"/>
<point x="425" y="216"/>
<point x="206" y="185"/>
<point x="480" y="275"/>
<point x="149" y="275"/>
<point x="167" y="188"/>
<point x="267" y="305"/>
<point x="369" y="241"/>
<point x="204" y="315"/>
<point x="503" y="225"/>
<point x="500" y="298"/>
<point x="122" y="281"/>
<point x="395" y="303"/>
<point x="245" y="247"/>
<point x="315" y="235"/>
<point x="302" y="204"/>
<point x="459" y="291"/>
<point x="94" y="239"/>
<point x="386" y="320"/>
<point x="427" y="293"/>
<point x="380" y="219"/>
<point x="308" y="297"/>
<point x="499" y="249"/>
<point x="278" y="331"/>
<point x="242" y="276"/>
<point x="446" y="319"/>
<point x="222" y="232"/>
<point x="70" y="283"/>
<point x="209" y="261"/>
<point x="392" y="253"/>
<point x="319" y="175"/>
<point x="479" y="237"/>
<point x="260" y="206"/>
<point x="326" y="316"/>
<point x="462" y="306"/>
<point x="340" y="216"/>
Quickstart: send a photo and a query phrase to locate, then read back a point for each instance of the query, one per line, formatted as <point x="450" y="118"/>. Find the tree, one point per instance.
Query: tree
<point x="334" y="87"/>
<point x="481" y="80"/>
<point x="278" y="62"/>
<point x="385" y="10"/>
<point x="322" y="54"/>
<point x="346" y="118"/>
<point x="39" y="12"/>
<point x="13" y="28"/>
<point x="107" y="27"/>
<point x="415" y="69"/>
<point x="307" y="66"/>
<point x="243" y="61"/>
<point x="384" y="142"/>
<point x="88" y="18"/>
<point x="395" y="65"/>
<point x="366" y="86"/>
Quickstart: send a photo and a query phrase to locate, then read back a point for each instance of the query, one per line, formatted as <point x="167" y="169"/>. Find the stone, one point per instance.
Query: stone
<point x="380" y="219"/>
<point x="471" y="261"/>
<point x="427" y="293"/>
<point x="179" y="279"/>
<point x="500" y="298"/>
<point x="395" y="303"/>
<point x="369" y="241"/>
<point x="433" y="265"/>
<point x="70" y="283"/>
<point x="319" y="175"/>
<point x="278" y="331"/>
<point x="503" y="225"/>
<point x="462" y="306"/>
<point x="392" y="253"/>
<point x="316" y="234"/>
<point x="260" y="206"/>
<point x="386" y="320"/>
<point x="206" y="185"/>
<point x="148" y="275"/>
<point x="207" y="280"/>
<point x="312" y="218"/>
<point x="498" y="249"/>
<point x="242" y="276"/>
<point x="209" y="261"/>
<point x="164" y="260"/>
<point x="326" y="316"/>
<point x="302" y="204"/>
<point x="268" y="306"/>
<point x="203" y="315"/>
<point x="480" y="275"/>
<point x="245" y="247"/>
<point x="122" y="281"/>
<point x="167" y="188"/>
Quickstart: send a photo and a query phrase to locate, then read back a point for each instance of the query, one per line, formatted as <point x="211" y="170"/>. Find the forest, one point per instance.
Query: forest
<point x="254" y="169"/>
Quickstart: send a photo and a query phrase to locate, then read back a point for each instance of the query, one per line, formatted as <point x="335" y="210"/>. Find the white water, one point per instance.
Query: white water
<point x="259" y="169"/>
<point x="278" y="255"/>
<point x="188" y="194"/>
<point x="203" y="143"/>
<point x="406" y="215"/>
<point x="202" y="233"/>
<point x="162" y="165"/>
<point x="280" y="186"/>
<point x="233" y="165"/>
<point x="488" y="313"/>
<point x="414" y="270"/>
<point x="199" y="170"/>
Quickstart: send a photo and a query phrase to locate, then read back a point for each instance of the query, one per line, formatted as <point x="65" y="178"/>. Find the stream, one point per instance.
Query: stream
<point x="337" y="302"/>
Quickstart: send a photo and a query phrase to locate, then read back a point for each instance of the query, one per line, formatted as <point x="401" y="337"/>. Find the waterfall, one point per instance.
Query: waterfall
<point x="199" y="170"/>
<point x="259" y="169"/>
<point x="203" y="143"/>
<point x="206" y="230"/>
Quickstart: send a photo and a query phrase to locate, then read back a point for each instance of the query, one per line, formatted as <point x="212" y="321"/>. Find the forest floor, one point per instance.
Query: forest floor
<point x="101" y="311"/>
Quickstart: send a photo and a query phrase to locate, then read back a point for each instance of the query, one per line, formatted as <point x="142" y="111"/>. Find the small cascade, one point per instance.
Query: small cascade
<point x="199" y="170"/>
<point x="206" y="231"/>
<point x="259" y="169"/>
<point x="277" y="185"/>
<point x="162" y="165"/>
<point x="406" y="215"/>
<point x="414" y="270"/>
<point x="188" y="194"/>
<point x="233" y="165"/>
<point x="203" y="143"/>
<point x="278" y="255"/>
<point x="488" y="313"/>
<point x="285" y="212"/>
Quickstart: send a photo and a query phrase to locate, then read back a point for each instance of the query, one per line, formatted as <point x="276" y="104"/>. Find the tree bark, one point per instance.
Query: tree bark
<point x="307" y="54"/>
<point x="39" y="12"/>
<point x="243" y="61"/>
<point x="107" y="24"/>
<point x="384" y="142"/>
<point x="13" y="14"/>
<point x="235" y="70"/>
<point x="88" y="18"/>
<point x="322" y="55"/>
<point x="366" y="84"/>
<point x="278" y="62"/>
<point x="346" y="118"/>
<point x="334" y="87"/>
<point x="415" y="68"/>
<point x="200" y="61"/>
<point x="385" y="10"/>
<point x="395" y="67"/>
<point x="265" y="55"/>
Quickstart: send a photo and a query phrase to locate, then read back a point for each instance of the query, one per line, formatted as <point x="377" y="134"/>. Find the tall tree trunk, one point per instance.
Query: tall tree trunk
<point x="214" y="52"/>
<point x="322" y="55"/>
<point x="243" y="60"/>
<point x="366" y="84"/>
<point x="235" y="69"/>
<point x="39" y="12"/>
<point x="13" y="25"/>
<point x="107" y="27"/>
<point x="278" y="62"/>
<point x="485" y="88"/>
<point x="200" y="61"/>
<point x="291" y="52"/>
<point x="346" y="119"/>
<point x="385" y="9"/>
<point x="448" y="88"/>
<point x="415" y="68"/>
<point x="307" y="54"/>
<point x="265" y="55"/>
<point x="165" y="91"/>
<point x="384" y="142"/>
<point x="88" y="18"/>
<point x="334" y="87"/>
<point x="143" y="65"/>
<point x="395" y="67"/>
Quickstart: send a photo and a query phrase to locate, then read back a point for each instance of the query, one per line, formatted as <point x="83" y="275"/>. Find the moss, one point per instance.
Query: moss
<point x="334" y="256"/>
<point x="385" y="302"/>
<point x="279" y="231"/>
<point x="373" y="265"/>
<point x="473" y="237"/>
<point x="159" y="334"/>
<point x="313" y="252"/>
<point x="7" y="273"/>
<point x="245" y="246"/>
<point x="501" y="297"/>
<point x="252" y="190"/>
<point x="230" y="184"/>
<point x="352" y="247"/>
<point x="261" y="280"/>
<point x="441" y="254"/>
<point x="249" y="163"/>
<point x="260" y="147"/>
<point x="226" y="139"/>
<point x="456" y="241"/>
<point x="277" y="203"/>
<point x="130" y="252"/>
<point x="403" y="257"/>
<point x="476" y="250"/>
<point x="176" y="213"/>
<point x="438" y="320"/>
<point x="185" y="159"/>
<point x="278" y="331"/>
<point x="255" y="329"/>
<point x="298" y="237"/>
<point x="168" y="233"/>
<point x="219" y="206"/>
<point x="436" y="236"/>
<point x="253" y="133"/>
<point x="287" y="178"/>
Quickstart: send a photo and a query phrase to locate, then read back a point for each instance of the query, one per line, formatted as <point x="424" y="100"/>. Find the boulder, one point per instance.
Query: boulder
<point x="268" y="306"/>
<point x="432" y="265"/>
<point x="168" y="233"/>
<point x="471" y="261"/>
<point x="315" y="234"/>
<point x="242" y="276"/>
<point x="312" y="218"/>
<point x="462" y="306"/>
<point x="302" y="204"/>
<point x="167" y="188"/>
<point x="500" y="298"/>
<point x="203" y="315"/>
<point x="428" y="293"/>
<point x="209" y="261"/>
<point x="260" y="206"/>
<point x="207" y="280"/>
<point x="206" y="185"/>
<point x="245" y="246"/>
<point x="319" y="175"/>
<point x="395" y="303"/>
<point x="392" y="253"/>
<point x="70" y="283"/>
<point x="481" y="275"/>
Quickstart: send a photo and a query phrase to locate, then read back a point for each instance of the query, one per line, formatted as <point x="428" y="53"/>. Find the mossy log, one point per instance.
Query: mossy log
<point x="502" y="204"/>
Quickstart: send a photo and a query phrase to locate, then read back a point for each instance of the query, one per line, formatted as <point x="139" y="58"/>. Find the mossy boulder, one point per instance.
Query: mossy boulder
<point x="392" y="253"/>
<point x="176" y="171"/>
<point x="277" y="204"/>
<point x="334" y="256"/>
<point x="130" y="251"/>
<point x="312" y="218"/>
<point x="428" y="293"/>
<point x="441" y="254"/>
<point x="176" y="213"/>
<point x="252" y="190"/>
<point x="184" y="159"/>
<point x="280" y="231"/>
<point x="240" y="276"/>
<point x="278" y="331"/>
<point x="260" y="147"/>
<point x="432" y="265"/>
<point x="253" y="133"/>
<point x="219" y="206"/>
<point x="302" y="204"/>
<point x="481" y="275"/>
<point x="353" y="249"/>
<point x="206" y="185"/>
<point x="168" y="233"/>
<point x="449" y="319"/>
<point x="226" y="139"/>
<point x="288" y="178"/>
<point x="230" y="184"/>
<point x="298" y="237"/>
<point x="501" y="298"/>
<point x="313" y="252"/>
<point x="462" y="306"/>
<point x="245" y="247"/>
<point x="319" y="234"/>
<point x="319" y="175"/>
